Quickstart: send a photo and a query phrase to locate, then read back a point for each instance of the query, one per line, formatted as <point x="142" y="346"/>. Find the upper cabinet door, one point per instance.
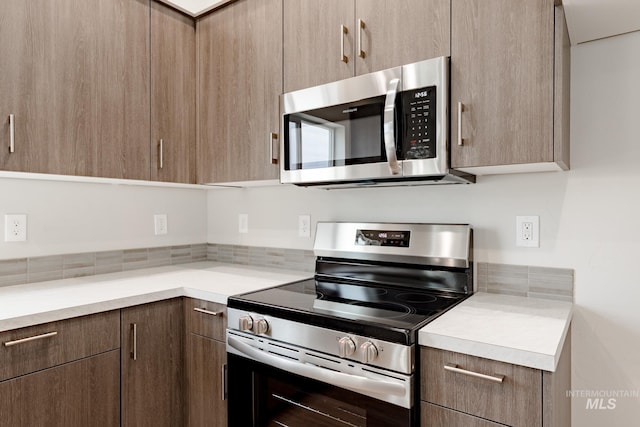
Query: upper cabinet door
<point x="316" y="50"/>
<point x="239" y="87"/>
<point x="75" y="77"/>
<point x="173" y="95"/>
<point x="389" y="33"/>
<point x="502" y="76"/>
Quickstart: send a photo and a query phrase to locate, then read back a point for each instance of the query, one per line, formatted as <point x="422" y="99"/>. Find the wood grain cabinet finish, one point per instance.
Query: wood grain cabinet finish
<point x="512" y="82"/>
<point x="173" y="95"/>
<point x="239" y="84"/>
<point x="516" y="401"/>
<point x="34" y="348"/>
<point x="77" y="394"/>
<point x="526" y="397"/>
<point x="75" y="75"/>
<point x="206" y="358"/>
<point x="392" y="33"/>
<point x="153" y="364"/>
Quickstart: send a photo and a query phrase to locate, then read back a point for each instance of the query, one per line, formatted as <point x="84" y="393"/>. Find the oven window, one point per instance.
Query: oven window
<point x="264" y="396"/>
<point x="287" y="405"/>
<point x="340" y="135"/>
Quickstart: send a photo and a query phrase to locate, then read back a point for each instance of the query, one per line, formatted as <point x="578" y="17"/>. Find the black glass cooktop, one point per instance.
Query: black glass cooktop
<point x="386" y="313"/>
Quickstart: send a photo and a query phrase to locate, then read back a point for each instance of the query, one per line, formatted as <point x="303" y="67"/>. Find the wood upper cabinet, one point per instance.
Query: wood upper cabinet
<point x="173" y="95"/>
<point x="152" y="364"/>
<point x="75" y="75"/>
<point x="379" y="34"/>
<point x="239" y="84"/>
<point x="510" y="87"/>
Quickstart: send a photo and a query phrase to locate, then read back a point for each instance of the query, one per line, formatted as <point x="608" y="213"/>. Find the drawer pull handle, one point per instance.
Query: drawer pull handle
<point x="35" y="338"/>
<point x="210" y="313"/>
<point x="454" y="368"/>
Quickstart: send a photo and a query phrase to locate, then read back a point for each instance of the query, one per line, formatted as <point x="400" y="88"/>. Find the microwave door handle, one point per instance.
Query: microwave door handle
<point x="339" y="379"/>
<point x="390" y="125"/>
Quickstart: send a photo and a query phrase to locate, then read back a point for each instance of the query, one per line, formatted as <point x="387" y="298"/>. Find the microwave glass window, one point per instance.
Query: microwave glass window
<point x="336" y="136"/>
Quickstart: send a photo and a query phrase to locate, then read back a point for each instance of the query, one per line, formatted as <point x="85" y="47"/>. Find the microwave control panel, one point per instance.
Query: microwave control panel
<point x="419" y="123"/>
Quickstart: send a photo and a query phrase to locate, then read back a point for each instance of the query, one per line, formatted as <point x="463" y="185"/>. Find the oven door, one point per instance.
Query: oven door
<point x="261" y="395"/>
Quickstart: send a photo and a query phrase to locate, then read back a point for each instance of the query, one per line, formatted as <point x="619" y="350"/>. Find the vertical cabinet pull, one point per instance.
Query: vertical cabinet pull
<point x="161" y="154"/>
<point x="361" y="26"/>
<point x="343" y="31"/>
<point x="224" y="381"/>
<point x="134" y="341"/>
<point x="460" y="110"/>
<point x="273" y="152"/>
<point x="12" y="133"/>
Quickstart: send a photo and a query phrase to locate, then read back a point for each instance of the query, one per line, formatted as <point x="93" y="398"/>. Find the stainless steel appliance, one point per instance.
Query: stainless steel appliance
<point x="341" y="349"/>
<point x="388" y="128"/>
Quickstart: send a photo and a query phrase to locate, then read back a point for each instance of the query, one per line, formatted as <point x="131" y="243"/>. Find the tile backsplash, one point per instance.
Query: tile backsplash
<point x="526" y="281"/>
<point x="519" y="280"/>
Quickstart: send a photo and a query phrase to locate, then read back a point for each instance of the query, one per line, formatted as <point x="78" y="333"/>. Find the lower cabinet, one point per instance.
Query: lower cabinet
<point x="64" y="373"/>
<point x="153" y="364"/>
<point x="206" y="358"/>
<point x="77" y="394"/>
<point x="459" y="390"/>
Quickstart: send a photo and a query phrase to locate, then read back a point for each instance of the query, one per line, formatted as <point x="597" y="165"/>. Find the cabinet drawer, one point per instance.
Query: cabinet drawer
<point x="38" y="347"/>
<point x="437" y="416"/>
<point x="450" y="379"/>
<point x="206" y="318"/>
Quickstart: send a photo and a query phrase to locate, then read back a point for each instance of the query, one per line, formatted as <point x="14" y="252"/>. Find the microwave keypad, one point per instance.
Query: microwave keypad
<point x="419" y="106"/>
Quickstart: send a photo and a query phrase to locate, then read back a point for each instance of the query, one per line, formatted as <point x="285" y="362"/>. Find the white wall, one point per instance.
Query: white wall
<point x="589" y="220"/>
<point x="71" y="217"/>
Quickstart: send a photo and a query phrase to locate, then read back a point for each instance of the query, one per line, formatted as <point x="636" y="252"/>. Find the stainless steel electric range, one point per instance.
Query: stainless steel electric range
<point x="341" y="349"/>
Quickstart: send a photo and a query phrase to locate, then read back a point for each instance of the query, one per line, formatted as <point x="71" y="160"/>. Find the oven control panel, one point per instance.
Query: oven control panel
<point x="341" y="344"/>
<point x="397" y="238"/>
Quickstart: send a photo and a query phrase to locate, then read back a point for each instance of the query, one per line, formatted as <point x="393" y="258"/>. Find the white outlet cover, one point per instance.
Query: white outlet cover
<point x="160" y="224"/>
<point x="243" y="223"/>
<point x="15" y="228"/>
<point x="304" y="225"/>
<point x="534" y="242"/>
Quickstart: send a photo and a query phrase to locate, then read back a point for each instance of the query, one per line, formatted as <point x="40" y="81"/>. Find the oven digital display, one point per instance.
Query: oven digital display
<point x="395" y="238"/>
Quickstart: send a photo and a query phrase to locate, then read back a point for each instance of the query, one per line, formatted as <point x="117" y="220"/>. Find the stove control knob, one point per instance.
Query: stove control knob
<point x="346" y="347"/>
<point x="245" y="323"/>
<point x="368" y="352"/>
<point x="261" y="326"/>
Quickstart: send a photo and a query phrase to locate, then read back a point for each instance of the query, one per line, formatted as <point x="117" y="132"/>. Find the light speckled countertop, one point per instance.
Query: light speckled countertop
<point x="32" y="304"/>
<point x="523" y="331"/>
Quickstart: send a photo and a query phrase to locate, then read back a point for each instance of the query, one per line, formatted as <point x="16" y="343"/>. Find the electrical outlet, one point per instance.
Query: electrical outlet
<point x="243" y="223"/>
<point x="304" y="225"/>
<point x="160" y="224"/>
<point x="15" y="228"/>
<point x="528" y="231"/>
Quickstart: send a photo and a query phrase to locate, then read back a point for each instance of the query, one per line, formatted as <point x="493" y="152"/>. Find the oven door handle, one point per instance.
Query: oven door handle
<point x="390" y="126"/>
<point x="338" y="379"/>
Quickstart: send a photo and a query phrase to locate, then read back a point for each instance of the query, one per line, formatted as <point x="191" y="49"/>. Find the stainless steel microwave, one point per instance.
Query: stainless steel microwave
<point x="390" y="127"/>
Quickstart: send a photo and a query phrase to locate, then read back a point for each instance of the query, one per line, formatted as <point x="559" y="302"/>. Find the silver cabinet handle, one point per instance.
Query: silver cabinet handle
<point x="12" y="133"/>
<point x="134" y="341"/>
<point x="161" y="156"/>
<point x="273" y="152"/>
<point x="389" y="126"/>
<point x="361" y="26"/>
<point x="224" y="382"/>
<point x="210" y="313"/>
<point x="454" y="368"/>
<point x="343" y="31"/>
<point x="29" y="339"/>
<point x="460" y="110"/>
